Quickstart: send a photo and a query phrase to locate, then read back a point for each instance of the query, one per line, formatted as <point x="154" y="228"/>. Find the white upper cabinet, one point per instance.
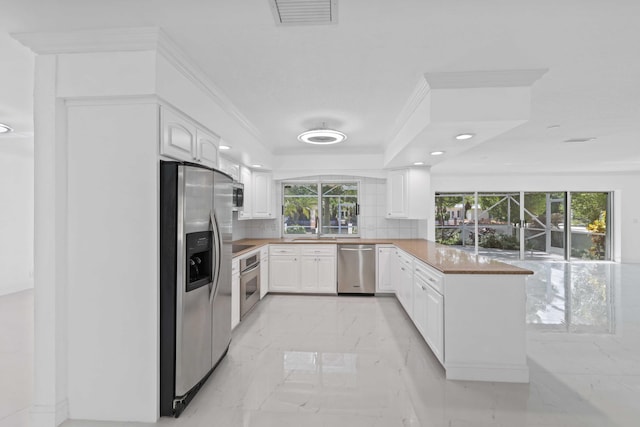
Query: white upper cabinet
<point x="245" y="178"/>
<point x="183" y="139"/>
<point x="178" y="136"/>
<point x="229" y="167"/>
<point x="207" y="148"/>
<point x="408" y="193"/>
<point x="262" y="195"/>
<point x="258" y="194"/>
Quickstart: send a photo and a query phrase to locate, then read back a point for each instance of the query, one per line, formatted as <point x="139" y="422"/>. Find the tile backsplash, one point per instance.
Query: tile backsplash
<point x="373" y="222"/>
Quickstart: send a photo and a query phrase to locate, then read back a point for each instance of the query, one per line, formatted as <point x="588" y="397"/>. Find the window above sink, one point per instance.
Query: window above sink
<point x="320" y="210"/>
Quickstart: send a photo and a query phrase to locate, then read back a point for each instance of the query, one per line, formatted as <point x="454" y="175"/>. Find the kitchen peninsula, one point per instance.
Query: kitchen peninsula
<point x="469" y="309"/>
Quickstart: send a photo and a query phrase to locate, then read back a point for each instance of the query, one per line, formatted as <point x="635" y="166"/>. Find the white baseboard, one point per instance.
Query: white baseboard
<point x="49" y="415"/>
<point x="13" y="288"/>
<point x="495" y="373"/>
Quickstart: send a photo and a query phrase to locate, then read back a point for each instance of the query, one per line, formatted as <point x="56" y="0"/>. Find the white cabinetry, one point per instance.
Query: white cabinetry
<point x="303" y="268"/>
<point x="428" y="307"/>
<point x="262" y="195"/>
<point x="245" y="178"/>
<point x="258" y="194"/>
<point x="230" y="168"/>
<point x="235" y="292"/>
<point x="264" y="271"/>
<point x="318" y="269"/>
<point x="385" y="262"/>
<point x="284" y="268"/>
<point x="434" y="329"/>
<point x="408" y="193"/>
<point x="405" y="281"/>
<point x="207" y="148"/>
<point x="183" y="139"/>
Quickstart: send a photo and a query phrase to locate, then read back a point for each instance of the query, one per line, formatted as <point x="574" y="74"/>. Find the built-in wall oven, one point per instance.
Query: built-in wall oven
<point x="249" y="283"/>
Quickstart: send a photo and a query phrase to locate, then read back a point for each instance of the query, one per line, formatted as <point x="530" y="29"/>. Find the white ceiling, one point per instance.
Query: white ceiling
<point x="357" y="75"/>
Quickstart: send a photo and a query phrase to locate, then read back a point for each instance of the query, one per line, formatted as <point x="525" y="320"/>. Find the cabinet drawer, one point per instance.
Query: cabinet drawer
<point x="283" y="250"/>
<point x="404" y="259"/>
<point x="432" y="277"/>
<point x="319" y="250"/>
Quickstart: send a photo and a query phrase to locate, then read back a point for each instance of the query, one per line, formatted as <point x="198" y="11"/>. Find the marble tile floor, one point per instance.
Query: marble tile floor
<point x="358" y="361"/>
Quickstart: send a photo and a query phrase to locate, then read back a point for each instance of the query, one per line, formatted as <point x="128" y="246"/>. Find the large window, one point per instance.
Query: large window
<point x="320" y="208"/>
<point x="527" y="225"/>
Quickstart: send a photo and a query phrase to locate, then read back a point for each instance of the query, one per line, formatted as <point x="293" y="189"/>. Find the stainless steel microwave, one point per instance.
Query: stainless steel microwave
<point x="238" y="195"/>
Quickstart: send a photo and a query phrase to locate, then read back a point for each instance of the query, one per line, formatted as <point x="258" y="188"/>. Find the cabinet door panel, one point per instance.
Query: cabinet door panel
<point x="284" y="274"/>
<point x="434" y="322"/>
<point x="245" y="178"/>
<point x="262" y="195"/>
<point x="327" y="278"/>
<point x="207" y="145"/>
<point x="397" y="194"/>
<point x="308" y="274"/>
<point x="385" y="270"/>
<point x="420" y="306"/>
<point x="178" y="137"/>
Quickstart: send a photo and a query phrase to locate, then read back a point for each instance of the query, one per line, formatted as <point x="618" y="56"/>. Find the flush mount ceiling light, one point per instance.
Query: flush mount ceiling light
<point x="322" y="136"/>
<point x="437" y="153"/>
<point x="5" y="129"/>
<point x="225" y="147"/>
<point x="463" y="136"/>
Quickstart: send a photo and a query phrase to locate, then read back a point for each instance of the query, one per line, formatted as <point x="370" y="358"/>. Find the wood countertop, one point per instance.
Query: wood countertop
<point x="443" y="258"/>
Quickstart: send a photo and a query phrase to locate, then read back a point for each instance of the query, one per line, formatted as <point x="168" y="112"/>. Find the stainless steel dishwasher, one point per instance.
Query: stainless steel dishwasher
<point x="356" y="269"/>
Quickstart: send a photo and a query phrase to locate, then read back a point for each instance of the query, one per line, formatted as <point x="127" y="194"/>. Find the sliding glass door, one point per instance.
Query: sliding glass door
<point x="590" y="236"/>
<point x="543" y="226"/>
<point x="527" y="225"/>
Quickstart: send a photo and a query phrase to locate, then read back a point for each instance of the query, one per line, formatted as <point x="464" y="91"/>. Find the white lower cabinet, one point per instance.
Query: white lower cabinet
<point x="284" y="273"/>
<point x="385" y="270"/>
<point x="235" y="292"/>
<point x="264" y="271"/>
<point x="428" y="307"/>
<point x="404" y="292"/>
<point x="318" y="269"/>
<point x="303" y="268"/>
<point x="434" y="327"/>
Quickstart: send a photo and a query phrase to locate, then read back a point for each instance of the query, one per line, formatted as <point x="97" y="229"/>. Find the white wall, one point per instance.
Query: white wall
<point x="626" y="210"/>
<point x="16" y="217"/>
<point x="113" y="259"/>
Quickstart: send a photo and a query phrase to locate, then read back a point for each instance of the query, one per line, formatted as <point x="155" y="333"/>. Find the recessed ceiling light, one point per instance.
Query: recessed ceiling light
<point x="256" y="166"/>
<point x="5" y="128"/>
<point x="225" y="147"/>
<point x="437" y="153"/>
<point x="579" y="140"/>
<point x="463" y="136"/>
<point x="553" y="127"/>
<point x="322" y="136"/>
<point x="418" y="163"/>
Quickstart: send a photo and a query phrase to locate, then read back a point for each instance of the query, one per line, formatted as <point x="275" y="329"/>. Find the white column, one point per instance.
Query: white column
<point x="50" y="256"/>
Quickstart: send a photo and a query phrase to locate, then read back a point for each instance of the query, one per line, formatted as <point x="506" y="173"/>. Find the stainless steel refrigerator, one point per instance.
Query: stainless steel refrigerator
<point x="195" y="279"/>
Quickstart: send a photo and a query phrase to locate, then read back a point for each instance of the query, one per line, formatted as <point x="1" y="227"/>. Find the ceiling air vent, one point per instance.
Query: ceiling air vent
<point x="305" y="12"/>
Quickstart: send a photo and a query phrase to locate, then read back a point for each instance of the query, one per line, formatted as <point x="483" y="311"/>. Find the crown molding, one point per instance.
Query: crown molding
<point x="84" y="41"/>
<point x="418" y="95"/>
<point x="172" y="53"/>
<point x="484" y="79"/>
<point x="134" y="39"/>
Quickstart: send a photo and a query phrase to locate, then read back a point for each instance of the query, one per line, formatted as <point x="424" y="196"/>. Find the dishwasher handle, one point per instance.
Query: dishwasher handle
<point x="356" y="250"/>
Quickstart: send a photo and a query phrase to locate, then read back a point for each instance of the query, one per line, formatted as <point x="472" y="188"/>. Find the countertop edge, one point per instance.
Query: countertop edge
<point x="406" y="245"/>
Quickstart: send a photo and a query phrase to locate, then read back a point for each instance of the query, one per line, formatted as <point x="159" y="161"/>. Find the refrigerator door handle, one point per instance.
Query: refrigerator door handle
<point x="218" y="254"/>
